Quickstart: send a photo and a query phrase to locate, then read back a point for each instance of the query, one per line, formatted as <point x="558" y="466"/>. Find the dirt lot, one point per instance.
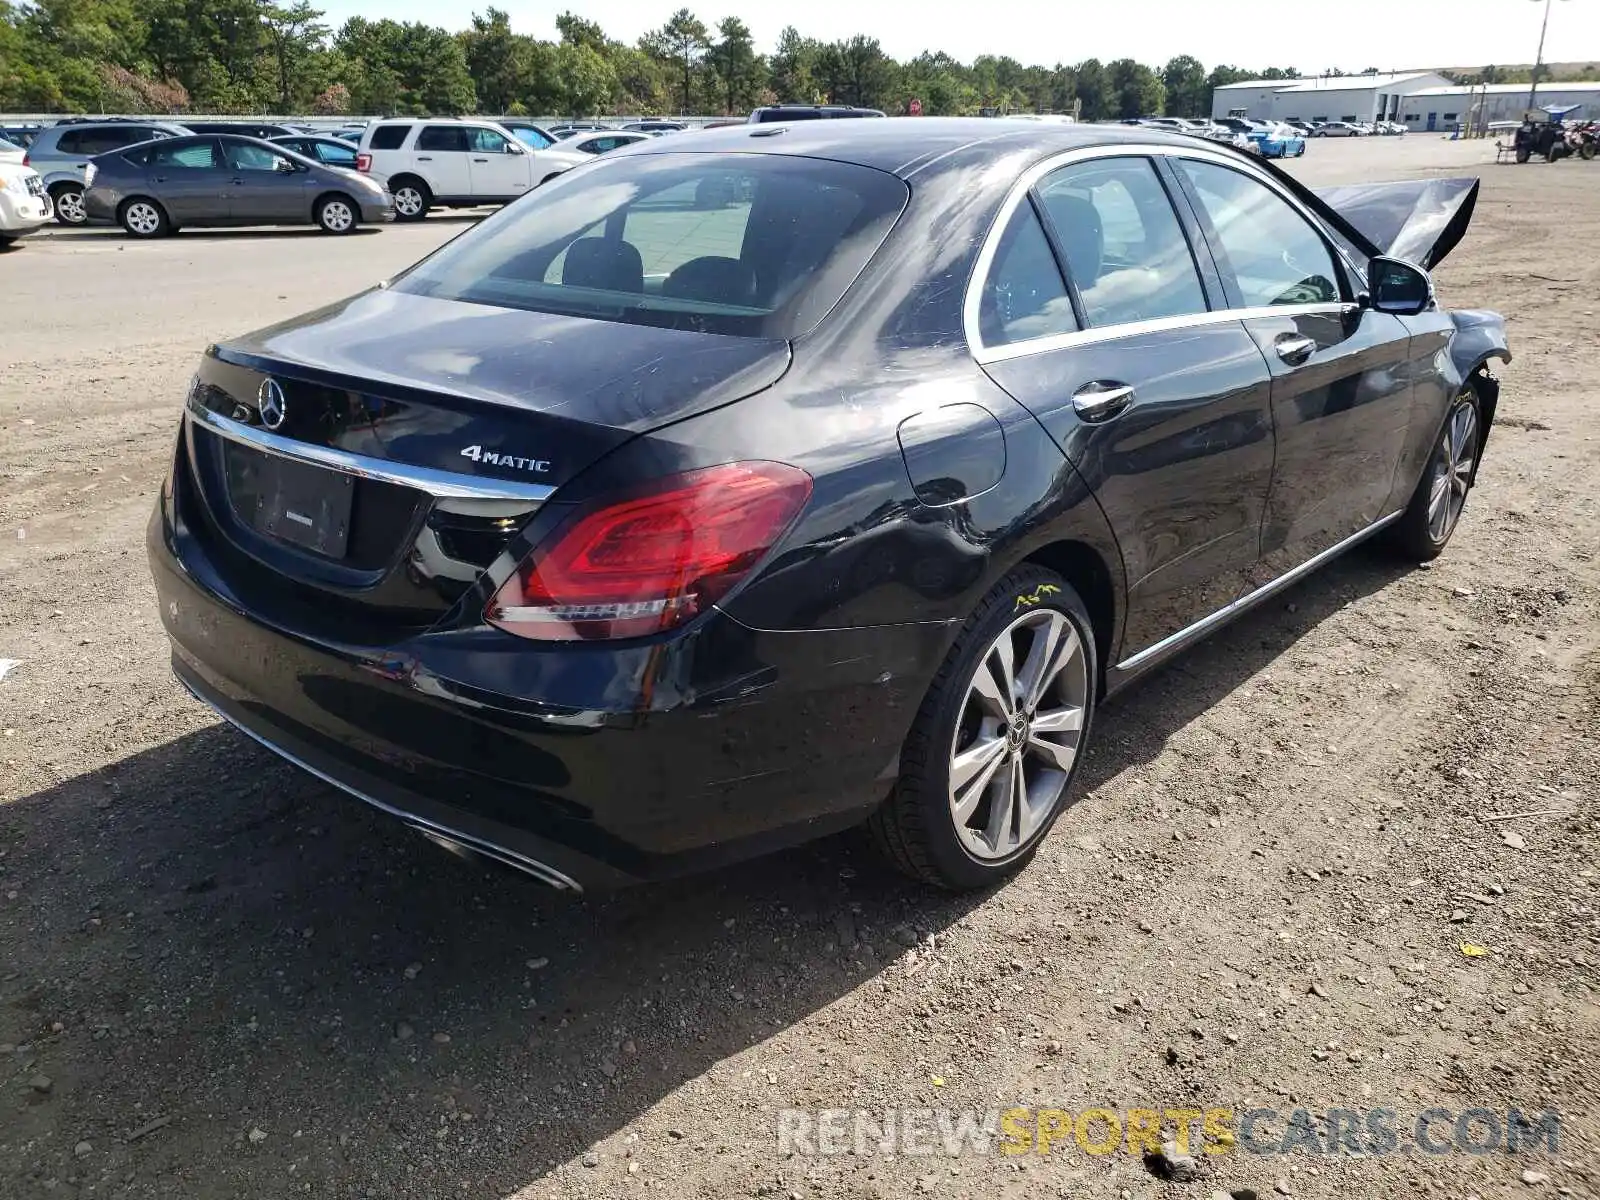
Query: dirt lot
<point x="220" y="978"/>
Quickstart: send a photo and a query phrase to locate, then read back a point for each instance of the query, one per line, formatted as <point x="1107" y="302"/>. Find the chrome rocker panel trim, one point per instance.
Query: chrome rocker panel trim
<point x="1227" y="612"/>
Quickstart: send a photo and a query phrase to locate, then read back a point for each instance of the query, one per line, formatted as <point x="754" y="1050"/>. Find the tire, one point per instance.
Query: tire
<point x="337" y="214"/>
<point x="921" y="828"/>
<point x="412" y="198"/>
<point x="143" y="217"/>
<point x="1422" y="533"/>
<point x="1587" y="151"/>
<point x="67" y="199"/>
<point x="1523" y="154"/>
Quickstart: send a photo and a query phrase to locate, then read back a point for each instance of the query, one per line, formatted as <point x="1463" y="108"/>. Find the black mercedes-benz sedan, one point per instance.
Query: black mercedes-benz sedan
<point x="723" y="494"/>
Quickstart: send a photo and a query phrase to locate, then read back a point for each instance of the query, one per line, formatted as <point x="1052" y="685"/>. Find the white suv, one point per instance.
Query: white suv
<point x="448" y="162"/>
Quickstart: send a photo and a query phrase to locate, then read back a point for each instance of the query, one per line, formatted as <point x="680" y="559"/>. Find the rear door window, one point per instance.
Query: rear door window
<point x="90" y="142"/>
<point x="184" y="156"/>
<point x="442" y="138"/>
<point x="389" y="137"/>
<point x="1125" y="249"/>
<point x="759" y="245"/>
<point x="1024" y="296"/>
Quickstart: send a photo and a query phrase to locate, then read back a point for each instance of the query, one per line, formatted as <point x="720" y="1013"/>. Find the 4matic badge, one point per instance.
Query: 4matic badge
<point x="495" y="459"/>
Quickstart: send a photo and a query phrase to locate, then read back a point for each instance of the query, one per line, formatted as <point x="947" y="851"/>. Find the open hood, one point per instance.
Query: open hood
<point x="1419" y="220"/>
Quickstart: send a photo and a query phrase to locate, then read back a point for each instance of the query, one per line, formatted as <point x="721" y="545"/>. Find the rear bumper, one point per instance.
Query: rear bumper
<point x="22" y="214"/>
<point x="585" y="767"/>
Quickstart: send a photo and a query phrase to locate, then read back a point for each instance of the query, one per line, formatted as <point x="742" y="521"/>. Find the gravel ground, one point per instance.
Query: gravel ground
<point x="220" y="978"/>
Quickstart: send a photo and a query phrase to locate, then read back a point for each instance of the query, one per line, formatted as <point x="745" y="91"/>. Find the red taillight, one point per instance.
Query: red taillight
<point x="25" y="158"/>
<point x="363" y="161"/>
<point x="644" y="564"/>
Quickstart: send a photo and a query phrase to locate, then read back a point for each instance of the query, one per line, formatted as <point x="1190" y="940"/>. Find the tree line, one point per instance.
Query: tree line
<point x="264" y="56"/>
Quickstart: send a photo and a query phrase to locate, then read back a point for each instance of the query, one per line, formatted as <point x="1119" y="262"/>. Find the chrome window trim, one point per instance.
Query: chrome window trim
<point x="1271" y="588"/>
<point x="442" y="485"/>
<point x="972" y="300"/>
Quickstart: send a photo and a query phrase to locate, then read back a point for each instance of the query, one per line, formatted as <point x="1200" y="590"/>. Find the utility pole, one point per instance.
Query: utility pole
<point x="1538" y="62"/>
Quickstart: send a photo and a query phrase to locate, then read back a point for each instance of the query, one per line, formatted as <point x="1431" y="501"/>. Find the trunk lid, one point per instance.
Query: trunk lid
<point x="354" y="470"/>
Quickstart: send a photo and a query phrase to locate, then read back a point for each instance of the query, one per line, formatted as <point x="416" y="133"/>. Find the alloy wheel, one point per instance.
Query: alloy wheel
<point x="408" y="201"/>
<point x="1452" y="471"/>
<point x="69" y="207"/>
<point x="1018" y="734"/>
<point x="337" y="217"/>
<point x="143" y="218"/>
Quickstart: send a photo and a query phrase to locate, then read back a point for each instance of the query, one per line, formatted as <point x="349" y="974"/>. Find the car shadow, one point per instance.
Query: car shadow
<point x="234" y="946"/>
<point x="200" y="233"/>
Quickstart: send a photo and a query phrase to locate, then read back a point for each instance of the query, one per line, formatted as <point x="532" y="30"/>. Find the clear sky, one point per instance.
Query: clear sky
<point x="1350" y="35"/>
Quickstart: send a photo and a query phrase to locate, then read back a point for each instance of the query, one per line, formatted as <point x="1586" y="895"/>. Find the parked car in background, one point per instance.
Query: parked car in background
<point x="24" y="205"/>
<point x="1278" y="141"/>
<point x="600" y="143"/>
<point x="433" y="162"/>
<point x="808" y="112"/>
<point x="20" y="135"/>
<point x="628" y="519"/>
<point x="10" y="152"/>
<point x="351" y="134"/>
<point x="655" y="125"/>
<point x="329" y="151"/>
<point x="1337" y="129"/>
<point x="61" y="153"/>
<point x="255" y="129"/>
<point x="157" y="188"/>
<point x="535" y="137"/>
<point x="572" y="129"/>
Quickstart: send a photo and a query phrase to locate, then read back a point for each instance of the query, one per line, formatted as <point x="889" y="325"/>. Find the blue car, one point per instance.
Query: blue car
<point x="1281" y="142"/>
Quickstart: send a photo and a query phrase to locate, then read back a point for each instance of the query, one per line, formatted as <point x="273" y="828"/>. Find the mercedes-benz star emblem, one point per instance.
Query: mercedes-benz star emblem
<point x="269" y="400"/>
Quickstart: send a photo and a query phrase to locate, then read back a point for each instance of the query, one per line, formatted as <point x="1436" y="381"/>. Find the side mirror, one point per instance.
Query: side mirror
<point x="514" y="148"/>
<point x="1399" y="287"/>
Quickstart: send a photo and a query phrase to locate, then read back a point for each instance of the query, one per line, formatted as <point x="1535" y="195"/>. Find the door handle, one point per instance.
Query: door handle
<point x="1294" y="348"/>
<point x="480" y="160"/>
<point x="1101" y="400"/>
<point x="161" y="178"/>
<point x="424" y="158"/>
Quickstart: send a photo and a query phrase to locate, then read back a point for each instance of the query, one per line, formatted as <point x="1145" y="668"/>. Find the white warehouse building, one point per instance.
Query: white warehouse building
<point x="1324" y="97"/>
<point x="1421" y="100"/>
<point x="1447" y="107"/>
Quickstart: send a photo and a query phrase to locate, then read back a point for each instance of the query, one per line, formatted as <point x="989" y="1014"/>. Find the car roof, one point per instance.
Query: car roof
<point x="904" y="145"/>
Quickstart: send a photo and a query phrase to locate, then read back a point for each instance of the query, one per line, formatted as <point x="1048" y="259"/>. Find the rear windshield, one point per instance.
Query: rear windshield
<point x="756" y="245"/>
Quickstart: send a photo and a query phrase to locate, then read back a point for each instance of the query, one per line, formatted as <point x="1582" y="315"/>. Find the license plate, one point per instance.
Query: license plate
<point x="305" y="505"/>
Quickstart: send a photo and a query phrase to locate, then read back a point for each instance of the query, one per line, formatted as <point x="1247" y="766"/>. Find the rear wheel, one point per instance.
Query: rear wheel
<point x="1587" y="151"/>
<point x="144" y="218"/>
<point x="336" y="214"/>
<point x="987" y="766"/>
<point x="68" y="201"/>
<point x="412" y="199"/>
<point x="1424" y="530"/>
<point x="1523" y="154"/>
